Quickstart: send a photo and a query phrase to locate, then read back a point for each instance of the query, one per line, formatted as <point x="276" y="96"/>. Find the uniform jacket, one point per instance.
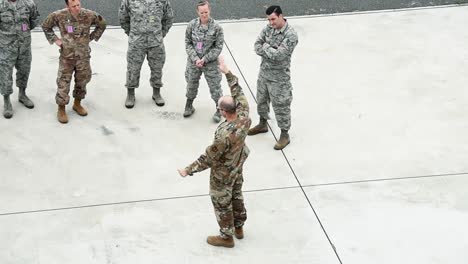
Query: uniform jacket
<point x="16" y="21"/>
<point x="75" y="32"/>
<point x="204" y="42"/>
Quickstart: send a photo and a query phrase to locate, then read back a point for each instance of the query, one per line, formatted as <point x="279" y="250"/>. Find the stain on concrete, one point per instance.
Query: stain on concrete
<point x="106" y="132"/>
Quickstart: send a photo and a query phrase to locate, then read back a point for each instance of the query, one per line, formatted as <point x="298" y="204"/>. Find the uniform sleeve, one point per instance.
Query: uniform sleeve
<point x="100" y="24"/>
<point x="258" y="46"/>
<point x="284" y="50"/>
<point x="124" y="16"/>
<point x="34" y="17"/>
<point x="168" y="19"/>
<point x="242" y="105"/>
<point x="211" y="155"/>
<point x="47" y="27"/>
<point x="214" y="52"/>
<point x="191" y="52"/>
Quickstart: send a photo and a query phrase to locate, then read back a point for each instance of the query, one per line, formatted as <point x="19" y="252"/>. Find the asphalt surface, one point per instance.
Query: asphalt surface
<point x="228" y="9"/>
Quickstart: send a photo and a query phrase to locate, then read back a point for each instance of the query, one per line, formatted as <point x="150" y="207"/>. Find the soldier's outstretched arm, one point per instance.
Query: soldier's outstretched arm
<point x="258" y="46"/>
<point x="33" y="17"/>
<point x="242" y="104"/>
<point x="215" y="51"/>
<point x="100" y="24"/>
<point x="124" y="16"/>
<point x="211" y="155"/>
<point x="284" y="50"/>
<point x="168" y="18"/>
<point x="47" y="27"/>
<point x="191" y="52"/>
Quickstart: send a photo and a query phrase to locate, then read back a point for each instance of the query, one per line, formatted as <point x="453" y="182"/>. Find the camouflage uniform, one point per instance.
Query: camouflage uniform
<point x="273" y="84"/>
<point x="226" y="157"/>
<point x="146" y="23"/>
<point x="75" y="52"/>
<point x="16" y="21"/>
<point x="203" y="42"/>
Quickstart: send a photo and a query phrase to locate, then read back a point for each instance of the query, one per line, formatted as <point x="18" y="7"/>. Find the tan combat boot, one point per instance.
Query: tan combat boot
<point x="61" y="115"/>
<point x="239" y="232"/>
<point x="219" y="241"/>
<point x="78" y="108"/>
<point x="260" y="128"/>
<point x="283" y="141"/>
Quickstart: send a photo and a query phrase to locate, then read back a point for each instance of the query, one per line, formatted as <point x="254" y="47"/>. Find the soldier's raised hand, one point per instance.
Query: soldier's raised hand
<point x="222" y="65"/>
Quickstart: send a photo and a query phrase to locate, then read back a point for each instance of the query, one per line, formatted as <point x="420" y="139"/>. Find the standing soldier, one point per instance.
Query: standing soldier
<point x="204" y="40"/>
<point x="275" y="45"/>
<point x="226" y="157"/>
<point x="74" y="24"/>
<point x="146" y="23"/>
<point x="17" y="18"/>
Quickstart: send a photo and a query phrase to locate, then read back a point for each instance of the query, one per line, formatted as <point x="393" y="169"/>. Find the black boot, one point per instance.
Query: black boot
<point x="189" y="110"/>
<point x="7" y="107"/>
<point x="130" y="101"/>
<point x="157" y="97"/>
<point x="24" y="99"/>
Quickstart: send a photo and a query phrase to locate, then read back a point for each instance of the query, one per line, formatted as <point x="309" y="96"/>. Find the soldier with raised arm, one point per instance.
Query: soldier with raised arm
<point x="226" y="157"/>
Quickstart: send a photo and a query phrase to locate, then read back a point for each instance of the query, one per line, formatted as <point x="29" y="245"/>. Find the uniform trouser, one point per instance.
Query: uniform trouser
<point x="280" y="95"/>
<point x="18" y="57"/>
<point x="82" y="70"/>
<point x="227" y="199"/>
<point x="212" y="75"/>
<point x="156" y="57"/>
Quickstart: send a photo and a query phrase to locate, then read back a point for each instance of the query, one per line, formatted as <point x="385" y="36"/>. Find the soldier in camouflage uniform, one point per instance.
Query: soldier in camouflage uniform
<point x="74" y="24"/>
<point x="17" y="18"/>
<point x="204" y="40"/>
<point x="275" y="45"/>
<point x="226" y="157"/>
<point x="146" y="23"/>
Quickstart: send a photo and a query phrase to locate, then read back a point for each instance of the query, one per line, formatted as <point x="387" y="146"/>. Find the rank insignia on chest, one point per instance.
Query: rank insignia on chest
<point x="152" y="19"/>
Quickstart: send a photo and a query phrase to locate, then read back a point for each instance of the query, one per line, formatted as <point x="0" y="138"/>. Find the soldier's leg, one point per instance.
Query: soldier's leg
<point x="221" y="196"/>
<point x="239" y="211"/>
<point x="192" y="77"/>
<point x="7" y="62"/>
<point x="281" y="102"/>
<point x="23" y="68"/>
<point x="156" y="60"/>
<point x="213" y="78"/>
<point x="135" y="58"/>
<point x="263" y="107"/>
<point x="83" y="74"/>
<point x="64" y="76"/>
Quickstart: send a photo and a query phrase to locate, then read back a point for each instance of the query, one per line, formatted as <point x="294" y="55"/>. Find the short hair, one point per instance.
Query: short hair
<point x="66" y="1"/>
<point x="228" y="105"/>
<point x="274" y="9"/>
<point x="202" y="3"/>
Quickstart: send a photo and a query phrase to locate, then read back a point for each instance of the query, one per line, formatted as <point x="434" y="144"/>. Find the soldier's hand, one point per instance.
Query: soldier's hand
<point x="58" y="42"/>
<point x="222" y="65"/>
<point x="199" y="63"/>
<point x="182" y="172"/>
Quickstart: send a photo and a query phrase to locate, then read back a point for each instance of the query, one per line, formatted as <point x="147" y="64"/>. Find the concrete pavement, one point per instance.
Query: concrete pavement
<point x="375" y="172"/>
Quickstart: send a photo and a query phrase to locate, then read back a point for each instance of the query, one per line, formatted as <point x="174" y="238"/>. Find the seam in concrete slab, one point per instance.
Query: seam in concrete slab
<point x="287" y="161"/>
<point x="389" y="179"/>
